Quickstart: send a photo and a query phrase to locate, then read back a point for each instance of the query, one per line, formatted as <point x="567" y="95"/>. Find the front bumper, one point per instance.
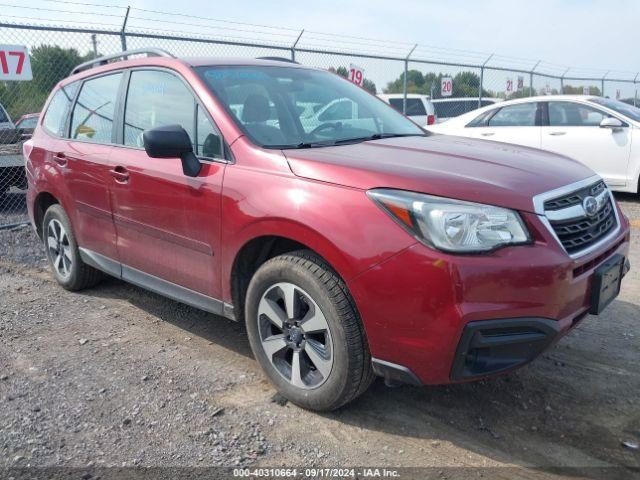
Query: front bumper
<point x="448" y="318"/>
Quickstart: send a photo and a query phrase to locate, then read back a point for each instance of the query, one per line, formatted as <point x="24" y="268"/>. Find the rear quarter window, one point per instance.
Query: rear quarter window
<point x="55" y="118"/>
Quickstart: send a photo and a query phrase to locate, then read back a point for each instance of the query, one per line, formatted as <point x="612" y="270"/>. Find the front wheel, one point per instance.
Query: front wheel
<point x="306" y="333"/>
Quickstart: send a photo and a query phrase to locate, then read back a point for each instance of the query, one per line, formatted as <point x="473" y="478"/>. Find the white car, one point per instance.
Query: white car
<point x="419" y="107"/>
<point x="447" y="108"/>
<point x="603" y="134"/>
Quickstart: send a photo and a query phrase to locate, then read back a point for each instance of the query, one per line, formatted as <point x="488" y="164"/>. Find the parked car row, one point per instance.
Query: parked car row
<point x="601" y="133"/>
<point x="350" y="241"/>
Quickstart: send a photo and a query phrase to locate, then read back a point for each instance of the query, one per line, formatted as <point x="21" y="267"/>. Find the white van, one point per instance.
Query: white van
<point x="419" y="107"/>
<point x="447" y="108"/>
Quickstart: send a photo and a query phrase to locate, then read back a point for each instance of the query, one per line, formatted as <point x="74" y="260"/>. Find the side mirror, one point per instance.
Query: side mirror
<point x="611" y="122"/>
<point x="172" y="141"/>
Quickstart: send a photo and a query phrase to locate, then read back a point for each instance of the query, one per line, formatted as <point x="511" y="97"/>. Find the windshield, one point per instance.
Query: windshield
<point x="620" y="107"/>
<point x="288" y="107"/>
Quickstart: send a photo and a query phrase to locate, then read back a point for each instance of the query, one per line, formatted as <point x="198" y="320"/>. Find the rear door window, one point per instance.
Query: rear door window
<point x="55" y="118"/>
<point x="94" y="111"/>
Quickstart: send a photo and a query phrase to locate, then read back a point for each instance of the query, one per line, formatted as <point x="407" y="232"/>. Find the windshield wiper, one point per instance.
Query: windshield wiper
<point x="377" y="136"/>
<point x="346" y="141"/>
<point x="301" y="145"/>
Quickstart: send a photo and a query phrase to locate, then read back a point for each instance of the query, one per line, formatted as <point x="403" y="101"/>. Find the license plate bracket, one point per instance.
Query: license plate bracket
<point x="606" y="284"/>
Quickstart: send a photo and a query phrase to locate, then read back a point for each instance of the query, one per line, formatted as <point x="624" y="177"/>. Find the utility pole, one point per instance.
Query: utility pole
<point x="94" y="42"/>
<point x="531" y="77"/>
<point x="562" y="80"/>
<point x="482" y="80"/>
<point x="123" y="35"/>
<point x="602" y="83"/>
<point x="404" y="83"/>
<point x="295" y="44"/>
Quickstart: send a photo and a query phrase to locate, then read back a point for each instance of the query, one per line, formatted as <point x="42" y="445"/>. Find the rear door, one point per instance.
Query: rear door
<point x="574" y="130"/>
<point x="518" y="124"/>
<point x="168" y="224"/>
<point x="84" y="158"/>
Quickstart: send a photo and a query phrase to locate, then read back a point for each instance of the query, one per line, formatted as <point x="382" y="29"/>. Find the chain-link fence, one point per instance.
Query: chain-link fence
<point x="389" y="67"/>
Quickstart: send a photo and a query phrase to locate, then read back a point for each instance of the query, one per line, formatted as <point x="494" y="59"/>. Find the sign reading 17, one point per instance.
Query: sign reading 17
<point x="5" y="65"/>
<point x="14" y="63"/>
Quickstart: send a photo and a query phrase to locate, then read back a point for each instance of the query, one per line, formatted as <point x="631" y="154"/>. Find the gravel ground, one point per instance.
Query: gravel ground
<point x="116" y="376"/>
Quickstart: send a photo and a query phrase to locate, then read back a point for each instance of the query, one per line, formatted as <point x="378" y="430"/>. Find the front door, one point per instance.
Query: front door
<point x="167" y="224"/>
<point x="574" y="130"/>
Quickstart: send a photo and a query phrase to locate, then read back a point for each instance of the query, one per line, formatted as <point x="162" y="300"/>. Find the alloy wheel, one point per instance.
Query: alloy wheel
<point x="58" y="248"/>
<point x="295" y="335"/>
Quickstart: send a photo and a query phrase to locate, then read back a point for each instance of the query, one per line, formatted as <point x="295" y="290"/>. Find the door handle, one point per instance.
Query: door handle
<point x="557" y="134"/>
<point x="60" y="158"/>
<point x="487" y="134"/>
<point x="120" y="174"/>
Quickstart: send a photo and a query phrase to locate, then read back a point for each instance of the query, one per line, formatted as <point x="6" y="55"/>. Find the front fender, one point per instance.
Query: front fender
<point x="341" y="224"/>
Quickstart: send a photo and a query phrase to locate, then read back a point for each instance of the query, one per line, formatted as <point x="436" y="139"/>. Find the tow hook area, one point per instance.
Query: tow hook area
<point x="492" y="346"/>
<point x="626" y="267"/>
<point x="394" y="375"/>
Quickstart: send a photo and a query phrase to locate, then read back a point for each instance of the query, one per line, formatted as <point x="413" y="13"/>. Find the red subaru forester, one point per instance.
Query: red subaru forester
<point x="351" y="242"/>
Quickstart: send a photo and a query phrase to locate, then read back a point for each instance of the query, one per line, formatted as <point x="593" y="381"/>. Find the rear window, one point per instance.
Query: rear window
<point x="456" y="108"/>
<point x="415" y="106"/>
<point x="55" y="117"/>
<point x="3" y="116"/>
<point x="449" y="109"/>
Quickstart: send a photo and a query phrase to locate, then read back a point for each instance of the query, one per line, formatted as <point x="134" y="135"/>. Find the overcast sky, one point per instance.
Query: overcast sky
<point x="593" y="36"/>
<point x="600" y="34"/>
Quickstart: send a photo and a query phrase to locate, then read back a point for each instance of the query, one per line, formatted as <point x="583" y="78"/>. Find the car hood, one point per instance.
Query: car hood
<point x="463" y="168"/>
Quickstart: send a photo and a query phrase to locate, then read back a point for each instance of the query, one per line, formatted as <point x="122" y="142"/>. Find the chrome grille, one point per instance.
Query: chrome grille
<point x="575" y="229"/>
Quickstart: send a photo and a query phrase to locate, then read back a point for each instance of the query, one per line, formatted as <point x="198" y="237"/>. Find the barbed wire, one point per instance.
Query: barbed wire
<point x="261" y="34"/>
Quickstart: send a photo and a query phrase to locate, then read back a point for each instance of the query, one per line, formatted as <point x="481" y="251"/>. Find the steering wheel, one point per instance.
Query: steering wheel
<point x="326" y="126"/>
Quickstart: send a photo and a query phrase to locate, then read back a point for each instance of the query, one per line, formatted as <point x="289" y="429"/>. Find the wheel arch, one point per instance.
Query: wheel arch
<point x="253" y="250"/>
<point x="41" y="203"/>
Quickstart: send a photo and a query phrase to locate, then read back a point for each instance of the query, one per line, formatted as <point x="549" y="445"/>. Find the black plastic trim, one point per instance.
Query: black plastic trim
<point x="392" y="372"/>
<point x="157" y="285"/>
<point x="488" y="347"/>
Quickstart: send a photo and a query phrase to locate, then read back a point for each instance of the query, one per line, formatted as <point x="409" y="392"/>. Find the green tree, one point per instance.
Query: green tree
<point x="465" y="84"/>
<point x="49" y="64"/>
<point x="571" y="90"/>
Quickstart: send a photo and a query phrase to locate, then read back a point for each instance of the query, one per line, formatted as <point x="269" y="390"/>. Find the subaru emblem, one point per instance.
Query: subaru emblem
<point x="590" y="205"/>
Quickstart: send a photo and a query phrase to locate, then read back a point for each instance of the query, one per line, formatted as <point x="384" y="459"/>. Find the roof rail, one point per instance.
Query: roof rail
<point x="96" y="62"/>
<point x="278" y="59"/>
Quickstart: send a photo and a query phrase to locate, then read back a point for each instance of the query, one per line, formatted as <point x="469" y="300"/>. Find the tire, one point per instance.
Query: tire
<point x="63" y="254"/>
<point x="328" y="338"/>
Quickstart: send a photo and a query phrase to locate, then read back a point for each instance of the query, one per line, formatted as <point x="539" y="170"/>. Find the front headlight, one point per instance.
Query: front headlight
<point x="452" y="225"/>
